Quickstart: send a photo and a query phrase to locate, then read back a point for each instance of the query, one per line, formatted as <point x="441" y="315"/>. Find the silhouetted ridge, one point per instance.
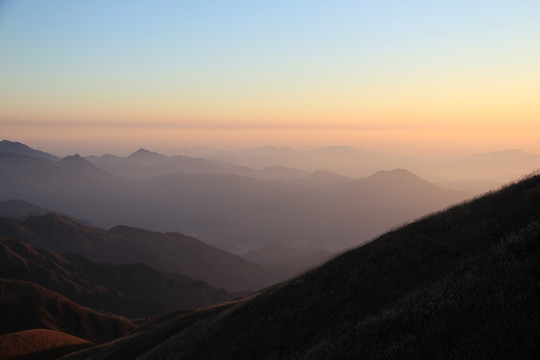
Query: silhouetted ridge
<point x="79" y="162"/>
<point x="146" y="154"/>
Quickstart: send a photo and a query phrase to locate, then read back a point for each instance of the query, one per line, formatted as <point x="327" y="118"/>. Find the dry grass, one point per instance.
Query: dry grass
<point x="39" y="344"/>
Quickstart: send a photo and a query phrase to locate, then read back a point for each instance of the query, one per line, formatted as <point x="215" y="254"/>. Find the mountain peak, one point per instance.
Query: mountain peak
<point x="397" y="177"/>
<point x="78" y="163"/>
<point x="146" y="153"/>
<point x="14" y="144"/>
<point x="141" y="151"/>
<point x="74" y="159"/>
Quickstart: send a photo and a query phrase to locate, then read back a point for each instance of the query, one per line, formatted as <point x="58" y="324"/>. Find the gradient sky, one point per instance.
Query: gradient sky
<point x="394" y="76"/>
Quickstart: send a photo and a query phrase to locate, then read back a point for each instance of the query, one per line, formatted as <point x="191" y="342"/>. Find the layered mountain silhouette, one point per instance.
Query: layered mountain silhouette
<point x="231" y="211"/>
<point x="129" y="290"/>
<point x="144" y="164"/>
<point x="330" y="158"/>
<point x="462" y="283"/>
<point x="499" y="166"/>
<point x="170" y="252"/>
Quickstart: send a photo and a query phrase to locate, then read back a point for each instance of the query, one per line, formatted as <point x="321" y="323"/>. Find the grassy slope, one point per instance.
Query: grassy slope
<point x="25" y="305"/>
<point x="460" y="283"/>
<point x="39" y="344"/>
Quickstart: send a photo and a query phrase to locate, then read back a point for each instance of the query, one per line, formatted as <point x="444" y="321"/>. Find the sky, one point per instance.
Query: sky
<point x="422" y="77"/>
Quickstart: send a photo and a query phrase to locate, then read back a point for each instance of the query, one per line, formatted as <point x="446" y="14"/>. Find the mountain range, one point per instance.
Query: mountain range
<point x="500" y="166"/>
<point x="144" y="164"/>
<point x="235" y="212"/>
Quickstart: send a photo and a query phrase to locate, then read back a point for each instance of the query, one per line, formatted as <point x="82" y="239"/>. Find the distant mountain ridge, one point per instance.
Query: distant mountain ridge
<point x="144" y="164"/>
<point x="22" y="149"/>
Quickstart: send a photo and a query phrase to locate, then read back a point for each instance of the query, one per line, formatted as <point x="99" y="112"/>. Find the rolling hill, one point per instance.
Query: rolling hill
<point x="129" y="290"/>
<point x="39" y="344"/>
<point x="461" y="283"/>
<point x="25" y="306"/>
<point x="170" y="252"/>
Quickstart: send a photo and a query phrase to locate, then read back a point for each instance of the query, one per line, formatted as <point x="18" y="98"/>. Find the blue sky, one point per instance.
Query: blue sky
<point x="268" y="63"/>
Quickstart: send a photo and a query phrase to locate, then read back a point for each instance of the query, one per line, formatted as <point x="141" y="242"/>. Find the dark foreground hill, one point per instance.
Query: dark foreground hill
<point x="462" y="283"/>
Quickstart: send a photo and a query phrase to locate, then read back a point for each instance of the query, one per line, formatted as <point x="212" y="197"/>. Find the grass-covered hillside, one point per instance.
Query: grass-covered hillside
<point x="39" y="344"/>
<point x="463" y="283"/>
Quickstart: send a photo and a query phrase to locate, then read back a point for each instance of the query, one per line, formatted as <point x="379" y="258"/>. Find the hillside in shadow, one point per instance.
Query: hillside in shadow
<point x="27" y="306"/>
